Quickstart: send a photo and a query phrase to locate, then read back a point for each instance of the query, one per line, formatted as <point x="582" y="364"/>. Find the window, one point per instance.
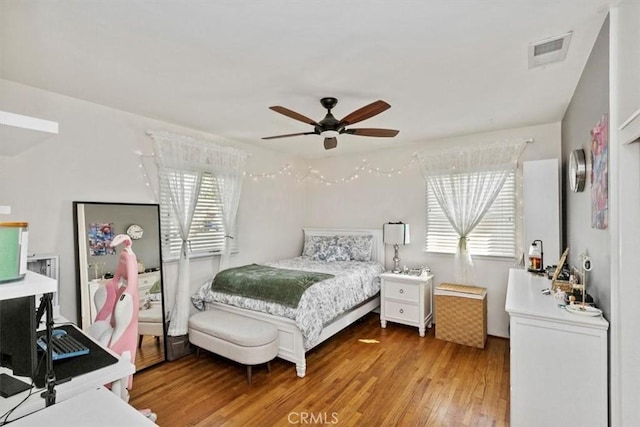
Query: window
<point x="494" y="236"/>
<point x="206" y="235"/>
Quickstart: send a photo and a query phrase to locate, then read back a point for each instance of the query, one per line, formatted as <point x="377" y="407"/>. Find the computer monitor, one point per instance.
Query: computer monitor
<point x="18" y="349"/>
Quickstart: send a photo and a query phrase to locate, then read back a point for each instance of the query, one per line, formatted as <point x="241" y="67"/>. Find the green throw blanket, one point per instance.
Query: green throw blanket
<point x="266" y="283"/>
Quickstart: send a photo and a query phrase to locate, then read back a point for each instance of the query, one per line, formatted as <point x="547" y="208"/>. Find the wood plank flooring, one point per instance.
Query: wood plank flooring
<point x="402" y="380"/>
<point x="150" y="353"/>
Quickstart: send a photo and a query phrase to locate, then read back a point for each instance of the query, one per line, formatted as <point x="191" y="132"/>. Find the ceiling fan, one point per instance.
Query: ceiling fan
<point x="330" y="127"/>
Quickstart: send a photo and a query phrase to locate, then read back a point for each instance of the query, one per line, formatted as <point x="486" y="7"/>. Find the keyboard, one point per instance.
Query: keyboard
<point x="63" y="346"/>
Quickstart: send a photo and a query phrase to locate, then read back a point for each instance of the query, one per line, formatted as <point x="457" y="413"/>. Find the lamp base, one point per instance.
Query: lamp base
<point x="396" y="260"/>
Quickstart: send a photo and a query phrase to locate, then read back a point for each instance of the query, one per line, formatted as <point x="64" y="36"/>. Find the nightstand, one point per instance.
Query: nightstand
<point x="406" y="299"/>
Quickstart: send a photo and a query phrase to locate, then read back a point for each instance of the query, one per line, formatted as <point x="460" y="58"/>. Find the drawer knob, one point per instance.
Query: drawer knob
<point x="401" y="310"/>
<point x="402" y="291"/>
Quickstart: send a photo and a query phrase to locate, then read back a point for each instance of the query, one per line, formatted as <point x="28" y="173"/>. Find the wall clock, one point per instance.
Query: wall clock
<point x="135" y="231"/>
<point x="577" y="170"/>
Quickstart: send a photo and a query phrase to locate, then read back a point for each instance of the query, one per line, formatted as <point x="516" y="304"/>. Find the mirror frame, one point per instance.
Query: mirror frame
<point x="82" y="266"/>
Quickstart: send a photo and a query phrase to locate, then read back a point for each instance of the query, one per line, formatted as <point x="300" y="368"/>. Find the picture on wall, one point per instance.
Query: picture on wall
<point x="100" y="236"/>
<point x="600" y="175"/>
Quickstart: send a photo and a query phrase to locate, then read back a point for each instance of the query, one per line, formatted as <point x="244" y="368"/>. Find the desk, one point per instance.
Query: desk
<point x="32" y="284"/>
<point x="97" y="407"/>
<point x="75" y="386"/>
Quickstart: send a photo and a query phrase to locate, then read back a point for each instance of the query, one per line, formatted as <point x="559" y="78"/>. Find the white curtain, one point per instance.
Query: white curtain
<point x="466" y="181"/>
<point x="182" y="161"/>
<point x="229" y="173"/>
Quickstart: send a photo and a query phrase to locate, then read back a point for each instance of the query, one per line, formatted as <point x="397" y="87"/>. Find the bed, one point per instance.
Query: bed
<point x="326" y="307"/>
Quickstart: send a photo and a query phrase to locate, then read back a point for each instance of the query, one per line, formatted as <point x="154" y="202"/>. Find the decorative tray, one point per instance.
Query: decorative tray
<point x="583" y="310"/>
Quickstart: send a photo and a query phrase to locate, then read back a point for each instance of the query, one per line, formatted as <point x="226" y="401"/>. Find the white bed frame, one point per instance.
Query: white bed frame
<point x="291" y="341"/>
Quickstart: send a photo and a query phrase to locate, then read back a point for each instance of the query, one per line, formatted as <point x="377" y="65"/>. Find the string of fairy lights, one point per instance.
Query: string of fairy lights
<point x="316" y="175"/>
<point x="364" y="168"/>
<point x="145" y="173"/>
<point x="310" y="173"/>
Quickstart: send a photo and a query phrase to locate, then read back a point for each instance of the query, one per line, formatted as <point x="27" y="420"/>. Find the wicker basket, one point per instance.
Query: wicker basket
<point x="561" y="285"/>
<point x="461" y="314"/>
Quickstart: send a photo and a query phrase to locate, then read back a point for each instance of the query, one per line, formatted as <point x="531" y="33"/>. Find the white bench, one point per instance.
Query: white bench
<point x="239" y="338"/>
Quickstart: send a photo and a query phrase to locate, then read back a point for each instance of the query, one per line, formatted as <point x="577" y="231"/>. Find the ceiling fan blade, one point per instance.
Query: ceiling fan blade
<point x="292" y="114"/>
<point x="381" y="133"/>
<point x="289" y="134"/>
<point x="330" y="143"/>
<point x="365" y="112"/>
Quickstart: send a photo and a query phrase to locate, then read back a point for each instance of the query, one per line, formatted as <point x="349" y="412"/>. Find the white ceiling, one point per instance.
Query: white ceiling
<point x="447" y="67"/>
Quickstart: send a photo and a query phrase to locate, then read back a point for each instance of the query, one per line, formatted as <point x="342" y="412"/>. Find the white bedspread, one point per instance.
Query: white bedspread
<point x="354" y="282"/>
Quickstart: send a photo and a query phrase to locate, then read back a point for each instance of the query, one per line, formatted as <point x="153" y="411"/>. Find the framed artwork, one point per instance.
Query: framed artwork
<point x="600" y="175"/>
<point x="100" y="236"/>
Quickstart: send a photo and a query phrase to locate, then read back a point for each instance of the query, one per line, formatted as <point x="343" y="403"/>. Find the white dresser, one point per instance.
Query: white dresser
<point x="146" y="282"/>
<point x="558" y="359"/>
<point x="406" y="299"/>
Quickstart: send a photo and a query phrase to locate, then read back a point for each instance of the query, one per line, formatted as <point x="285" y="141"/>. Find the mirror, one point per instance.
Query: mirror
<point x="95" y="225"/>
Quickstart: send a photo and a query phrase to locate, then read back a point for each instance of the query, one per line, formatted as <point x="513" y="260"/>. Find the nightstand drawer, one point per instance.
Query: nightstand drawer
<point x="404" y="291"/>
<point x="401" y="311"/>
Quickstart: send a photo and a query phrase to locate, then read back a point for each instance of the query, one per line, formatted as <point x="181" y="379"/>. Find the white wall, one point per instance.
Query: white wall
<point x="374" y="199"/>
<point x="93" y="159"/>
<point x="624" y="209"/>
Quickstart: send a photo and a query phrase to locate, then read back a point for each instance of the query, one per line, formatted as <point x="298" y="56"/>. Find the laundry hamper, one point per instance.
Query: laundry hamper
<point x="461" y="314"/>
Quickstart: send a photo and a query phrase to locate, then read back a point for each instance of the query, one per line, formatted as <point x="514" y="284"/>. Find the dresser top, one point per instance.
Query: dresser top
<point x="525" y="298"/>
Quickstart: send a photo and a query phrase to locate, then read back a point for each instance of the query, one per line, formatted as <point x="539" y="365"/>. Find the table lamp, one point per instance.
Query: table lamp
<point x="396" y="234"/>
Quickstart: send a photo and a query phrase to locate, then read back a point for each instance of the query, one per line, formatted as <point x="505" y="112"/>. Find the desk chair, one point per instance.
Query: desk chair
<point x="116" y="324"/>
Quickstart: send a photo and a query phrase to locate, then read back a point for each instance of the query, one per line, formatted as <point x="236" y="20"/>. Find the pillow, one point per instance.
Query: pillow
<point x="331" y="252"/>
<point x="155" y="288"/>
<point x="313" y="244"/>
<point x="359" y="247"/>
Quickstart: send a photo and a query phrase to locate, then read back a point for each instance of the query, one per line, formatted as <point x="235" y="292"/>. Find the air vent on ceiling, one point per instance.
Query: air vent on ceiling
<point x="550" y="50"/>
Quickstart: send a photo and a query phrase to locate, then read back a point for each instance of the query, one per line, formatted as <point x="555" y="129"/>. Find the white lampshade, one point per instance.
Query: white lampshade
<point x="396" y="234"/>
<point x="330" y="133"/>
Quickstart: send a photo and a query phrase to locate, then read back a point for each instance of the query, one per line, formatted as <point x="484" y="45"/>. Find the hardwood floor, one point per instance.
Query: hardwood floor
<point x="402" y="380"/>
<point x="150" y="352"/>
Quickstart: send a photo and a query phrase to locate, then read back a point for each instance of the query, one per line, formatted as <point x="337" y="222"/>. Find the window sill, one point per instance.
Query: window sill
<point x="484" y="257"/>
<point x="198" y="256"/>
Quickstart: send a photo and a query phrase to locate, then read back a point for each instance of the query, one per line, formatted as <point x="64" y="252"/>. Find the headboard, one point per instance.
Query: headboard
<point x="377" y="251"/>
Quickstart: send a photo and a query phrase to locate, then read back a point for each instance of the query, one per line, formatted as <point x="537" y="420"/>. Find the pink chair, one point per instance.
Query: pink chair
<point x="116" y="324"/>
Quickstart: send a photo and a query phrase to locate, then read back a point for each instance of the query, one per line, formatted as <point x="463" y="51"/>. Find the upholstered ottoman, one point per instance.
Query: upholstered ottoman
<point x="239" y="338"/>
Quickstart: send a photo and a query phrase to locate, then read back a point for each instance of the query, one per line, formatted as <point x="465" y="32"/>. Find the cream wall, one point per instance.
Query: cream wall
<point x="375" y="198"/>
<point x="93" y="159"/>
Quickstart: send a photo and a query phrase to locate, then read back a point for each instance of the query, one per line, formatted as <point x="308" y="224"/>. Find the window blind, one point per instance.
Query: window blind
<point x="495" y="235"/>
<point x="206" y="235"/>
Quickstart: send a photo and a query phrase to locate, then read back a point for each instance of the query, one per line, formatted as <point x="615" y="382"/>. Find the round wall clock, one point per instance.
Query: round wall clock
<point x="135" y="231"/>
<point x="577" y="170"/>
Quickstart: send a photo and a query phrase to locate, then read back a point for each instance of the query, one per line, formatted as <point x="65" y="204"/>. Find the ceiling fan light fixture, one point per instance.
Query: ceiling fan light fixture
<point x="330" y="133"/>
<point x="330" y="127"/>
